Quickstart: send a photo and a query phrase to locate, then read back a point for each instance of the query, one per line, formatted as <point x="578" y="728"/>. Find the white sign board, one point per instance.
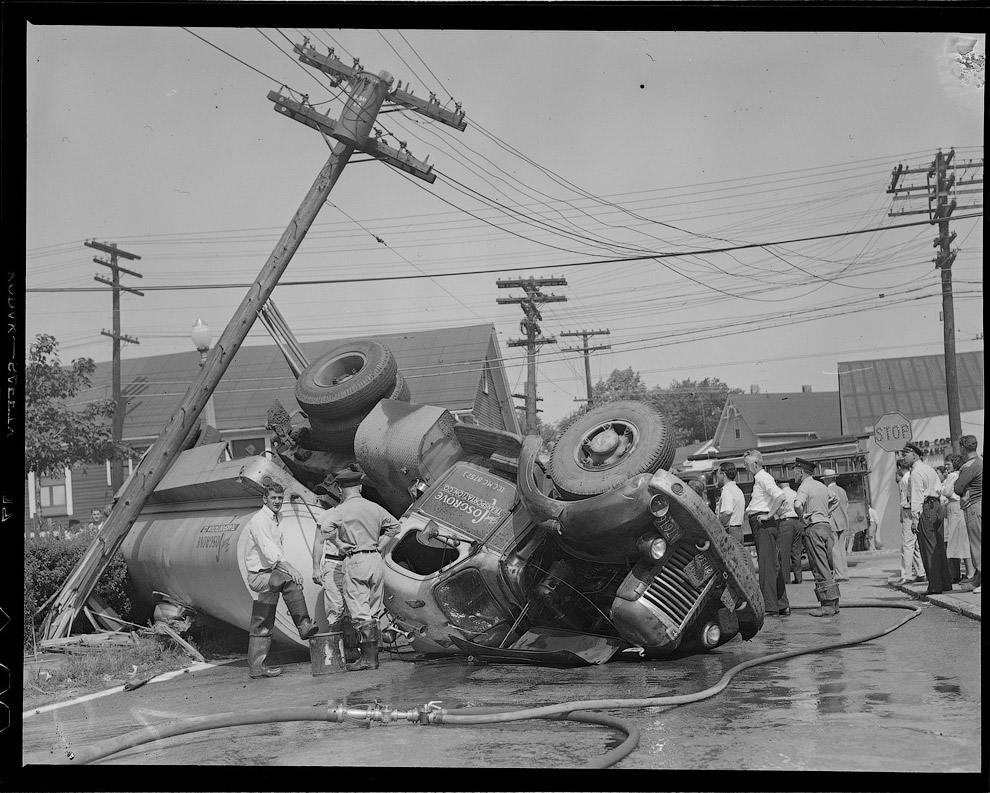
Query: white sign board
<point x="892" y="431"/>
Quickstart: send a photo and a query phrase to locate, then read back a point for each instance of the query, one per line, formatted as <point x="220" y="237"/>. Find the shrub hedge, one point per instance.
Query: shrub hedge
<point x="49" y="561"/>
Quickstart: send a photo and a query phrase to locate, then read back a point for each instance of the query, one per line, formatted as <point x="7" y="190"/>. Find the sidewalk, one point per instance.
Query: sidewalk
<point x="960" y="600"/>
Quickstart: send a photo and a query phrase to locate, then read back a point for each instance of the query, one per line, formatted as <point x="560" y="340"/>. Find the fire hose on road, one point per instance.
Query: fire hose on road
<point x="432" y="714"/>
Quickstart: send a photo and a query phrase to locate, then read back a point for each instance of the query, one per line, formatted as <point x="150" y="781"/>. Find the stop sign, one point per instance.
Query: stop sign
<point x="892" y="431"/>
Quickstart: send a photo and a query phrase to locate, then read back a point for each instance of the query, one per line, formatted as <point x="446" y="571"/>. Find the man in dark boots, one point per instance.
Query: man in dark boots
<point x="812" y="504"/>
<point x="368" y="643"/>
<point x="270" y="574"/>
<point x="355" y="526"/>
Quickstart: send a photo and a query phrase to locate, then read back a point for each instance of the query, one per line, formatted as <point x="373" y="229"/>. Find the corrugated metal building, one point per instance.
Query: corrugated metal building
<point x="458" y="368"/>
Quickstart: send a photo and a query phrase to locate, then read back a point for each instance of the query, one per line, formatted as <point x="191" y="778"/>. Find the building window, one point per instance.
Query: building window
<point x="738" y="433"/>
<point x="53" y="497"/>
<point x="484" y="380"/>
<point x="246" y="447"/>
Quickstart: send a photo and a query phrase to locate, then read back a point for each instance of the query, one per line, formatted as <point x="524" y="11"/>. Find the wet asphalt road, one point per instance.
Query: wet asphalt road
<point x="907" y="702"/>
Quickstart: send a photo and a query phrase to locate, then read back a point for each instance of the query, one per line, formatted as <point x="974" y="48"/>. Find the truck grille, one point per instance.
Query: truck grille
<point x="675" y="592"/>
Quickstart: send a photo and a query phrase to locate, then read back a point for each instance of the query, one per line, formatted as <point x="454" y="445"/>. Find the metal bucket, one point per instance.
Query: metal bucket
<point x="326" y="653"/>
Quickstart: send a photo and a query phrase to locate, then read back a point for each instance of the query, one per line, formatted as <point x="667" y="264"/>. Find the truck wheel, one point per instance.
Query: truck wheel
<point x="606" y="446"/>
<point x="345" y="380"/>
<point x="401" y="391"/>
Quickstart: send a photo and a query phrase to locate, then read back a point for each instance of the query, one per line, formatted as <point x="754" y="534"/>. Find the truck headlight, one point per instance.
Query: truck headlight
<point x="659" y="506"/>
<point x="710" y="635"/>
<point x="652" y="546"/>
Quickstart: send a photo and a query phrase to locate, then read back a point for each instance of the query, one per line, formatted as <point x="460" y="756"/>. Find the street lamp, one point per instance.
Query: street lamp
<point x="202" y="337"/>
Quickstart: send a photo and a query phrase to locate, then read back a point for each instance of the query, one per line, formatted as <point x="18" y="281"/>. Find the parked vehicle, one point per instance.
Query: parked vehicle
<point x="503" y="551"/>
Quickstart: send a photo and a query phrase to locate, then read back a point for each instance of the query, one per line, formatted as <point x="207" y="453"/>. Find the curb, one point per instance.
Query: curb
<point x="948" y="602"/>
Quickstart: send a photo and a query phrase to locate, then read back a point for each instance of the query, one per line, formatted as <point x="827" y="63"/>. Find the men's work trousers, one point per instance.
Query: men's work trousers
<point x="791" y="539"/>
<point x="911" y="565"/>
<point x="333" y="589"/>
<point x="974" y="527"/>
<point x="818" y="541"/>
<point x="364" y="586"/>
<point x="839" y="554"/>
<point x="932" y="541"/>
<point x="766" y="538"/>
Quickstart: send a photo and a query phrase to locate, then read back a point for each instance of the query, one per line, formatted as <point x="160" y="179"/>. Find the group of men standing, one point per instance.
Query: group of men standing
<point x="782" y="521"/>
<point x="346" y="562"/>
<point x="923" y="548"/>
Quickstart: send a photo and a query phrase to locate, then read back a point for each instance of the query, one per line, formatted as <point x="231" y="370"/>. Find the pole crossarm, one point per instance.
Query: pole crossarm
<point x="110" y="248"/>
<point x="397" y="158"/>
<point x="118" y="286"/>
<point x="120" y="336"/>
<point x="111" y="265"/>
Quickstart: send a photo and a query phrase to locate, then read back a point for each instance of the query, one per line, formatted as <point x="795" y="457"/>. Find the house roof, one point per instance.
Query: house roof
<point x="913" y="386"/>
<point x="442" y="367"/>
<point x="799" y="412"/>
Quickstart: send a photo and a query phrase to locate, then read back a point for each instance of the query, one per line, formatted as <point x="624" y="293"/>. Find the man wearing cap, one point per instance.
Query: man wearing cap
<point x="969" y="485"/>
<point x="355" y="526"/>
<point x="270" y="574"/>
<point x="731" y="507"/>
<point x="813" y="504"/>
<point x="764" y="502"/>
<point x="791" y="535"/>
<point x="927" y="518"/>
<point x="840" y="525"/>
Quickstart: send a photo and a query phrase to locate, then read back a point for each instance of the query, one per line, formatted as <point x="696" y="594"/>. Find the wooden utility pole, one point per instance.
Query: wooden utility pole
<point x="117" y="464"/>
<point x="352" y="130"/>
<point x="530" y="327"/>
<point x="942" y="192"/>
<point x="586" y="350"/>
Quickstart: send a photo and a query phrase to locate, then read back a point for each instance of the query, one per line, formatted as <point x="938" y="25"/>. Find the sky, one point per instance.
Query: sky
<point x="716" y="201"/>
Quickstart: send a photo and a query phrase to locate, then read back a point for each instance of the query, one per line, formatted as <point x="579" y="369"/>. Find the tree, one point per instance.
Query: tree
<point x="56" y="435"/>
<point x="692" y="407"/>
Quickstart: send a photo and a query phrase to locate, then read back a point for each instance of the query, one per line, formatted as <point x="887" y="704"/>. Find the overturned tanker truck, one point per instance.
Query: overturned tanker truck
<point x="505" y="552"/>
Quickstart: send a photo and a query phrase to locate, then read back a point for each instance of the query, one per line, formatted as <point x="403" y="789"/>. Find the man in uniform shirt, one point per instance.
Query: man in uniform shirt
<point x="764" y="501"/>
<point x="270" y="574"/>
<point x="791" y="535"/>
<point x="813" y="504"/>
<point x="927" y="519"/>
<point x="969" y="486"/>
<point x="731" y="502"/>
<point x="840" y="525"/>
<point x="355" y="526"/>
<point x="328" y="573"/>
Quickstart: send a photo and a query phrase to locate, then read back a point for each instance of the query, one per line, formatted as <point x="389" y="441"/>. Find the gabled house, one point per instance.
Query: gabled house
<point x="459" y="369"/>
<point x="749" y="421"/>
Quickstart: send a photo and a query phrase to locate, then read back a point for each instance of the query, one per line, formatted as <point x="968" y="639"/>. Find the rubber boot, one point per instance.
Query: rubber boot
<point x="351" y="651"/>
<point x="828" y="597"/>
<point x="295" y="602"/>
<point x="368" y="636"/>
<point x="258" y="647"/>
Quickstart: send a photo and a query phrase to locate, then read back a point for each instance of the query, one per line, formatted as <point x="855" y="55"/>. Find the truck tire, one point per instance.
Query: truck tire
<point x="401" y="391"/>
<point x="608" y="445"/>
<point x="346" y="379"/>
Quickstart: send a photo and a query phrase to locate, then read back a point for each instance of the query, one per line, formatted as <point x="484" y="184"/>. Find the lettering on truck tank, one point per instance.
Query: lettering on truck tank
<point x="216" y="535"/>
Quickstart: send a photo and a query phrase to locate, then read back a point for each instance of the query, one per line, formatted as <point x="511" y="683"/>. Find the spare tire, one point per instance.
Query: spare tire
<point x="347" y="379"/>
<point x="401" y="391"/>
<point x="608" y="445"/>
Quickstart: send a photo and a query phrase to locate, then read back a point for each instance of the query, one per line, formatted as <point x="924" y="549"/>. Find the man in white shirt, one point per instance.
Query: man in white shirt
<point x="764" y="502"/>
<point x="270" y="574"/>
<point x="791" y="535"/>
<point x="731" y="502"/>
<point x="912" y="569"/>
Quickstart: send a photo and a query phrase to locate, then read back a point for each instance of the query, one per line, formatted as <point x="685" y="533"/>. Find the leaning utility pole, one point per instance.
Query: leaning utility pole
<point x="117" y="464"/>
<point x="534" y="297"/>
<point x="942" y="190"/>
<point x="586" y="350"/>
<point x="366" y="95"/>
